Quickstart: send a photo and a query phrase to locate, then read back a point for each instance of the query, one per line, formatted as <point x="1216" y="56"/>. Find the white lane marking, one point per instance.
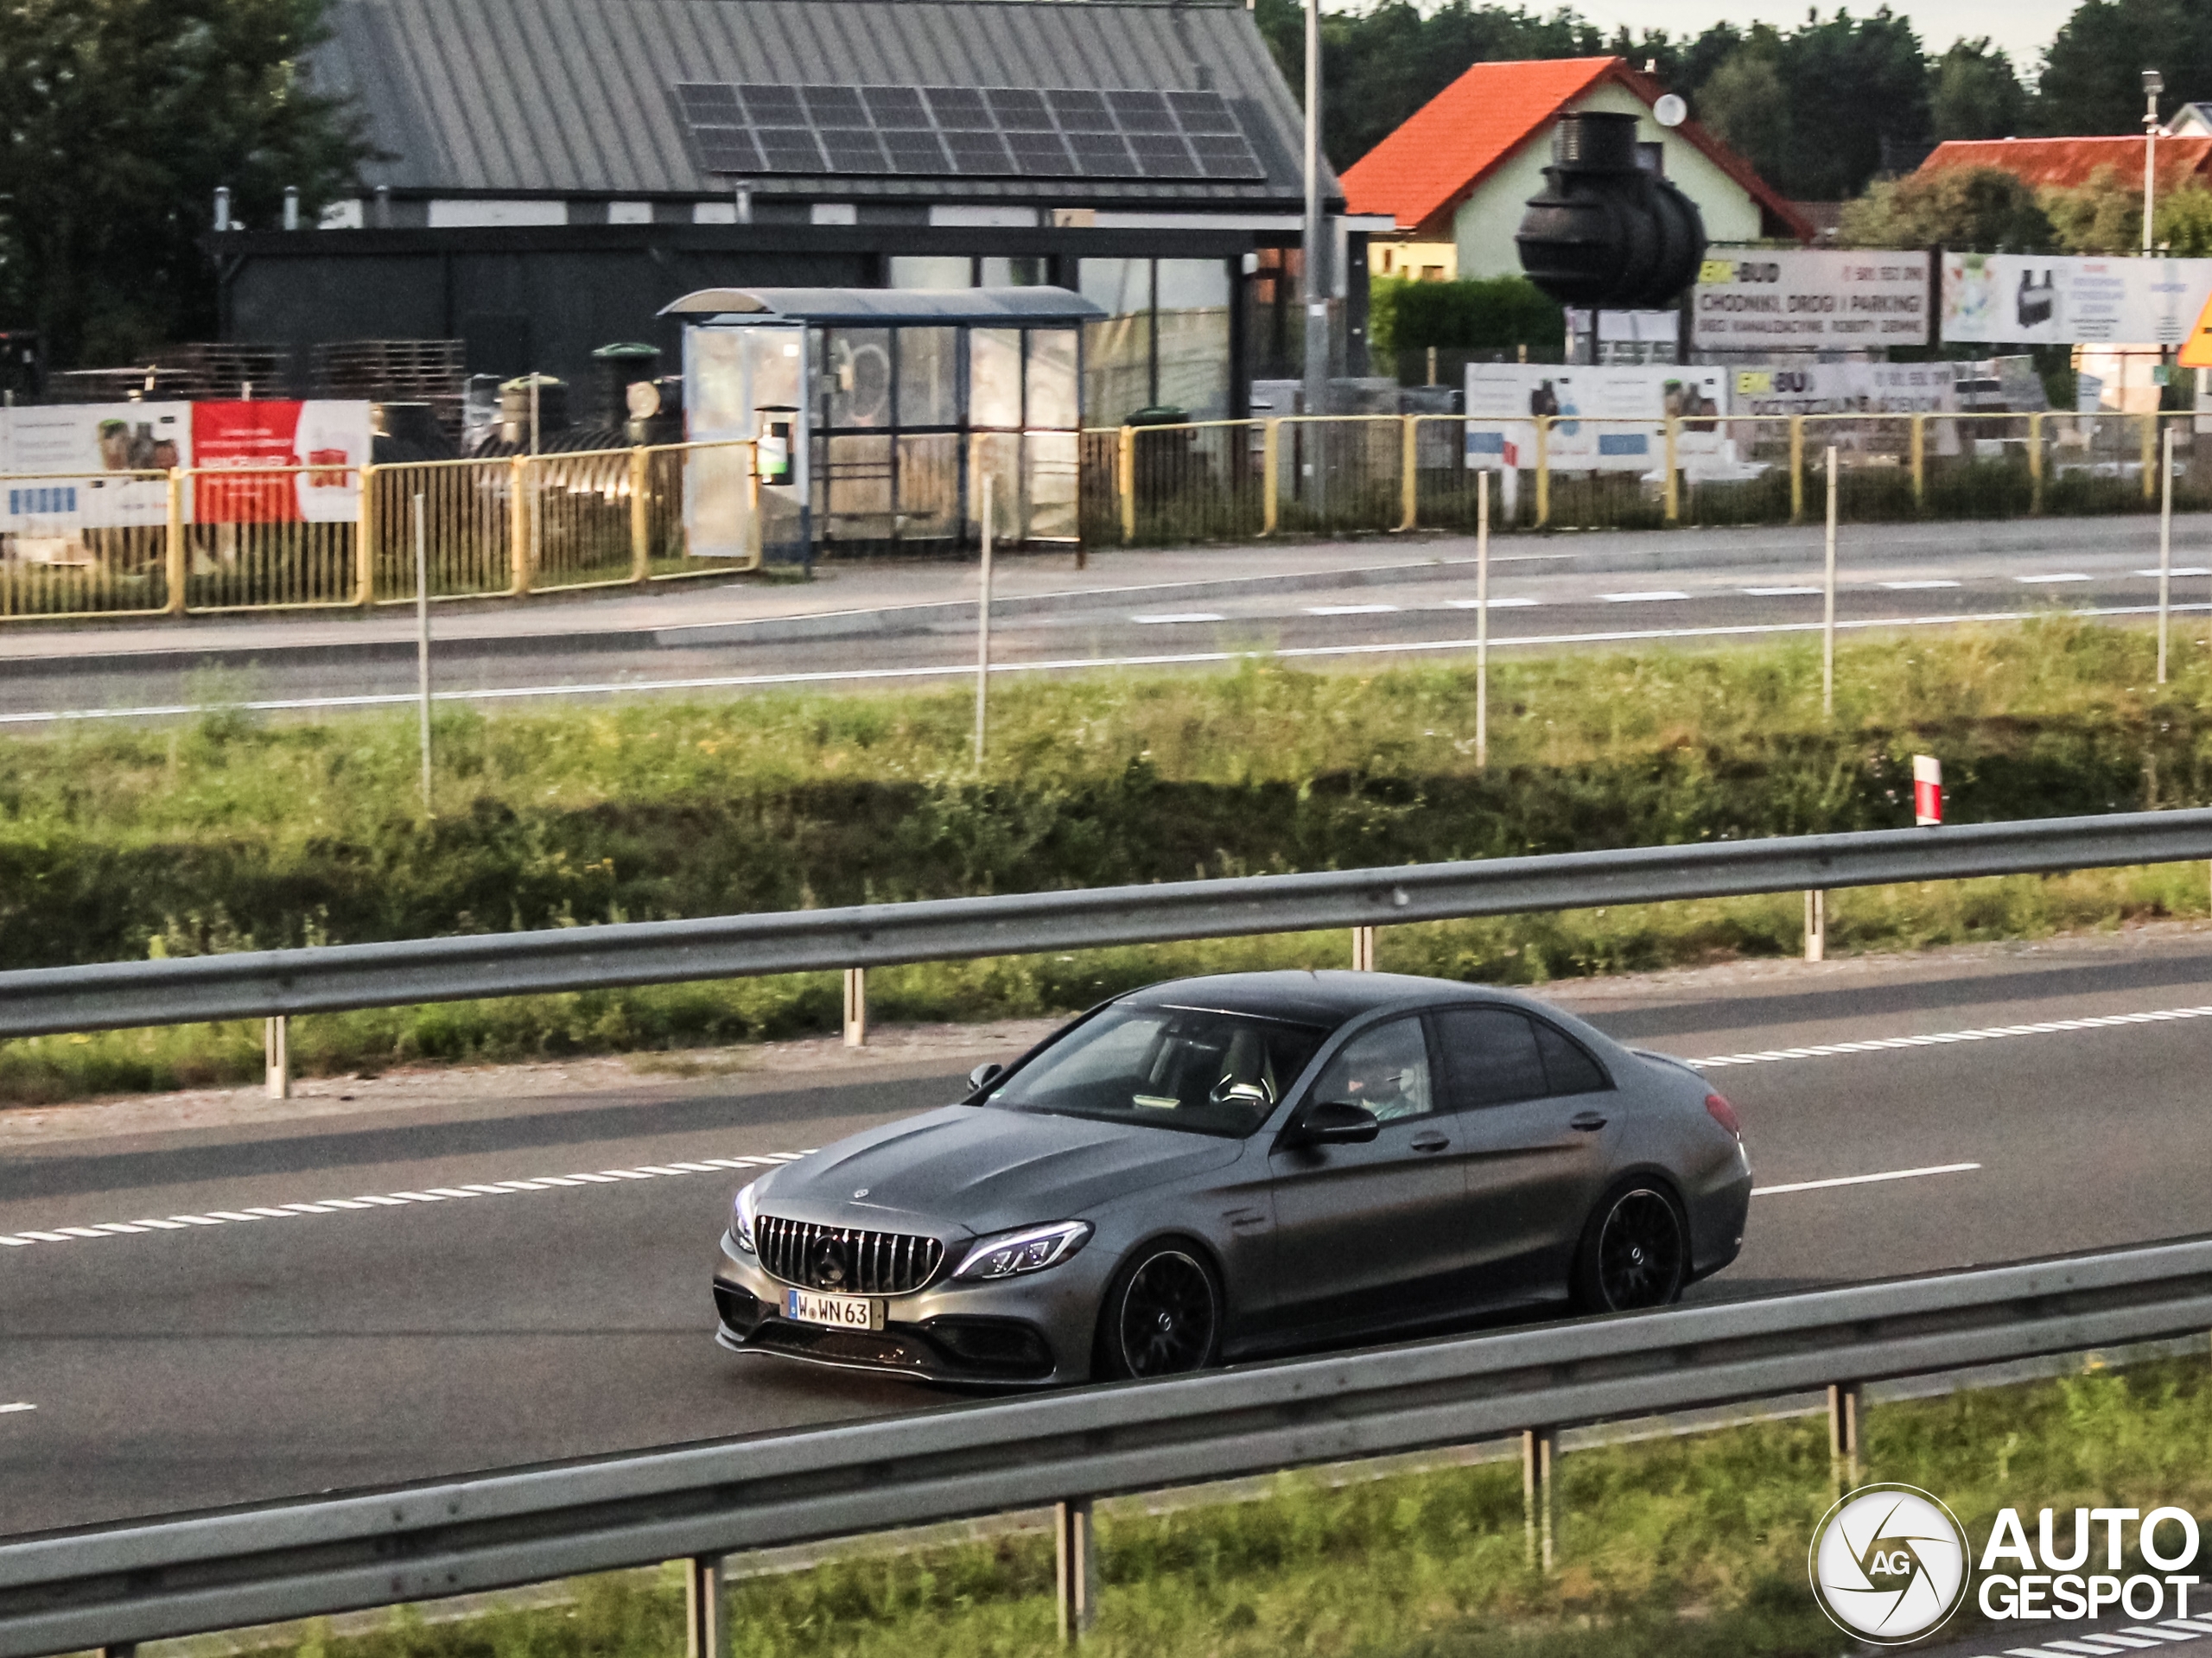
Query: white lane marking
<point x="1986" y="1033"/>
<point x="402" y="1199"/>
<point x="1060" y="665"/>
<point x="2071" y="575"/>
<point x="1780" y="593"/>
<point x="1656" y="596"/>
<point x="1350" y="610"/>
<point x="1864" y="1179"/>
<point x="1495" y="604"/>
<point x="2178" y="569"/>
<point x="19" y="1405"/>
<point x="1915" y="586"/>
<point x="1169" y="617"/>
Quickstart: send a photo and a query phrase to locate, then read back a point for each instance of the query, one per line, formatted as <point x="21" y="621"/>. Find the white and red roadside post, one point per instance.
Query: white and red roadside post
<point x="1927" y="791"/>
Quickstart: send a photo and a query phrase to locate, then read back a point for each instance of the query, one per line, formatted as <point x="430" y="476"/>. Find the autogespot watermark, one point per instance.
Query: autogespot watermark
<point x="1891" y="1563"/>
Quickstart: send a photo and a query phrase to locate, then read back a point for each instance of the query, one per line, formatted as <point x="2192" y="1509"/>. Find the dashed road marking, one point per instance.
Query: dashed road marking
<point x="1494" y="604"/>
<point x="2069" y="576"/>
<point x="398" y="1199"/>
<point x="1351" y="610"/>
<point x="1780" y="593"/>
<point x="1179" y="616"/>
<point x="2178" y="569"/>
<point x="1916" y="587"/>
<point x="1940" y="1039"/>
<point x="19" y="1405"/>
<point x="1864" y="1179"/>
<point x="1658" y="596"/>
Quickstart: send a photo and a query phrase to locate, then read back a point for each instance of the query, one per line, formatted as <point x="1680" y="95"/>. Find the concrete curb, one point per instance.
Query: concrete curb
<point x="1765" y="547"/>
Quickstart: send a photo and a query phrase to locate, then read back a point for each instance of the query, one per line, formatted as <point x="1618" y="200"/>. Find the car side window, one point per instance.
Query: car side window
<point x="1385" y="1071"/>
<point x="1567" y="1068"/>
<point x="1491" y="1055"/>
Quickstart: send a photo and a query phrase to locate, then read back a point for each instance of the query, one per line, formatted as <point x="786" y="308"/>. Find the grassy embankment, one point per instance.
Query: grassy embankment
<point x="1678" y="1548"/>
<point x="226" y="834"/>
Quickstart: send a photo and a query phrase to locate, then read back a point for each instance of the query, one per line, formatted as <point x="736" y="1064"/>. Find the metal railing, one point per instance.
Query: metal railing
<point x="144" y="1580"/>
<point x="192" y="541"/>
<point x="331" y="978"/>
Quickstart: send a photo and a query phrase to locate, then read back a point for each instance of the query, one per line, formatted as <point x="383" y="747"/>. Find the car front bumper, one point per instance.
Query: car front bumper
<point x="1031" y="1332"/>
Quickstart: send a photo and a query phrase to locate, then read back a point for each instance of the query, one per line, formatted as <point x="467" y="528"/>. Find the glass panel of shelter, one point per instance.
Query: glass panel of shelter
<point x="895" y="452"/>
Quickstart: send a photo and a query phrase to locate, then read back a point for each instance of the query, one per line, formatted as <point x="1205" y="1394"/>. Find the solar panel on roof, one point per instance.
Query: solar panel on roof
<point x="770" y="105"/>
<point x="964" y="131"/>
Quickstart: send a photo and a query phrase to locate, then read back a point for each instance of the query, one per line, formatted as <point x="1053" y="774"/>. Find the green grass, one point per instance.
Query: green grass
<point x="1669" y="1548"/>
<point x="225" y="833"/>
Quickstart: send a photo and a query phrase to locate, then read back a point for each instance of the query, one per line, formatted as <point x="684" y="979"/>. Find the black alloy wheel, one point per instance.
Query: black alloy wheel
<point x="1163" y="1316"/>
<point x="1635" y="1255"/>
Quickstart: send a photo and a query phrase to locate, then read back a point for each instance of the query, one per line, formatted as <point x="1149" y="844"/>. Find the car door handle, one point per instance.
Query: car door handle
<point x="1431" y="1141"/>
<point x="1588" y="1121"/>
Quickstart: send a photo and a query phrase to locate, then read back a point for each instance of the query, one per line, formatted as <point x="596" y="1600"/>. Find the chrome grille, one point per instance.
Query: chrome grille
<point x="844" y="1259"/>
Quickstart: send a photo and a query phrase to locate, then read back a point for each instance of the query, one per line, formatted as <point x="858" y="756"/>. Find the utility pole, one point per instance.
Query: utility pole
<point x="2153" y="84"/>
<point x="1313" y="249"/>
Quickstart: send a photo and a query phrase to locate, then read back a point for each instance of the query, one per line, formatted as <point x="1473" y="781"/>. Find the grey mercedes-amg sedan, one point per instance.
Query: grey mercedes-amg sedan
<point x="1237" y="1166"/>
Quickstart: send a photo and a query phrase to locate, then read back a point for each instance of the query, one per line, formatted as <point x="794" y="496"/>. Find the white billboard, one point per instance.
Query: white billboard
<point x="1810" y="299"/>
<point x="1606" y="419"/>
<point x="2071" y="299"/>
<point x="70" y="467"/>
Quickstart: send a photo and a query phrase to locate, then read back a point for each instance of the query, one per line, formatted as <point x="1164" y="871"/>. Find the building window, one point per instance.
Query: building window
<point x="931" y="270"/>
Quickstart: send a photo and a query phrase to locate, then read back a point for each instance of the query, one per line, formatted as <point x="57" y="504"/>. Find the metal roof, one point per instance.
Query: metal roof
<point x="576" y="96"/>
<point x="878" y="306"/>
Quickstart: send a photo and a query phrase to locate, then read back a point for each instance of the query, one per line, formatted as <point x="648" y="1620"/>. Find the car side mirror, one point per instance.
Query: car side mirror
<point x="984" y="1075"/>
<point x="1334" y="1123"/>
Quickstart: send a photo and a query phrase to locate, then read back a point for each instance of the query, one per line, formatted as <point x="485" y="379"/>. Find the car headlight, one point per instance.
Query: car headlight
<point x="1032" y="1249"/>
<point x="740" y="1218"/>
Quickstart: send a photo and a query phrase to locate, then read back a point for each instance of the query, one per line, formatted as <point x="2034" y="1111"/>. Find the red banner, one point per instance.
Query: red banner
<point x="265" y="442"/>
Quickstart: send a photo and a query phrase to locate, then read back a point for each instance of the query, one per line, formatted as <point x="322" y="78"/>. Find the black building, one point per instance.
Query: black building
<point x="557" y="171"/>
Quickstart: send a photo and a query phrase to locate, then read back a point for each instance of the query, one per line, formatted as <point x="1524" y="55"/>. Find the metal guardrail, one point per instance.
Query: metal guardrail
<point x="192" y="1574"/>
<point x="274" y="983"/>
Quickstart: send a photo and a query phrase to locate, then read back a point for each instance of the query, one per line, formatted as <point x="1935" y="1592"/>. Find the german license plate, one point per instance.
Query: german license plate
<point x="846" y="1311"/>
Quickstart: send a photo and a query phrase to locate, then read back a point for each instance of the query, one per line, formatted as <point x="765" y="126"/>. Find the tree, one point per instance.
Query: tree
<point x="2103" y="216"/>
<point x="118" y="118"/>
<point x="1975" y="94"/>
<point x="2091" y="74"/>
<point x="1984" y="208"/>
<point x="1745" y="104"/>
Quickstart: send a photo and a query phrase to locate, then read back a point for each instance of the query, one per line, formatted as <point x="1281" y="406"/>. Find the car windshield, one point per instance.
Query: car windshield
<point x="1193" y="1068"/>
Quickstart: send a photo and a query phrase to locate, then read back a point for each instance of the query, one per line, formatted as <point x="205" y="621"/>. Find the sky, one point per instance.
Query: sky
<point x="2023" y="28"/>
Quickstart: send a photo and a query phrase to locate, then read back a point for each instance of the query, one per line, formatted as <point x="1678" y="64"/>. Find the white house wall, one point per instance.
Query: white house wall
<point x="1485" y="223"/>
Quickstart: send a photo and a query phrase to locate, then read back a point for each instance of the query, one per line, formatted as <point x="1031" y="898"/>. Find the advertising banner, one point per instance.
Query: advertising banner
<point x="331" y="440"/>
<point x="1501" y="398"/>
<point x="1994" y="385"/>
<point x="1810" y="299"/>
<point x="2069" y="299"/>
<point x="69" y="466"/>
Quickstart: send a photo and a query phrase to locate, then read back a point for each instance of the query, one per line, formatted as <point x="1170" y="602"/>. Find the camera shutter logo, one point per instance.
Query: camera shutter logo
<point x="1889" y="1564"/>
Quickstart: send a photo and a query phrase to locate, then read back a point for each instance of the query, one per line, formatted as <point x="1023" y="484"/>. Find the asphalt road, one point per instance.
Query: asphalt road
<point x="1539" y="599"/>
<point x="409" y="1334"/>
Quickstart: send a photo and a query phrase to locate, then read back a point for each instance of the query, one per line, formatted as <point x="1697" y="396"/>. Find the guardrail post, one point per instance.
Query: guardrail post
<point x="1816" y="924"/>
<point x="1125" y="481"/>
<point x="1543" y="471"/>
<point x="1539" y="1471"/>
<point x="2035" y="464"/>
<point x="1270" y="475"/>
<point x="640" y="521"/>
<point x="277" y="1057"/>
<point x="172" y="561"/>
<point x="1846" y="1420"/>
<point x="1671" y="491"/>
<point x="1409" y="472"/>
<point x="365" y="540"/>
<point x="1075" y="1578"/>
<point x="1362" y="950"/>
<point x="1919" y="451"/>
<point x="1796" y="469"/>
<point x="855" y="1006"/>
<point x="518" y="522"/>
<point x="702" y="1607"/>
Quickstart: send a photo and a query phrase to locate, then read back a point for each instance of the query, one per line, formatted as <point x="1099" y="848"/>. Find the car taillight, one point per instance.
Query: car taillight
<point x="1724" y="1114"/>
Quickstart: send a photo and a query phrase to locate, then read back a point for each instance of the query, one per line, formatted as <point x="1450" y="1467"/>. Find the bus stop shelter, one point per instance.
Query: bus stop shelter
<point x="876" y="413"/>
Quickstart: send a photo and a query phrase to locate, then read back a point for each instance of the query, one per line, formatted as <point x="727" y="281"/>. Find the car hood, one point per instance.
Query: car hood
<point x="980" y="1170"/>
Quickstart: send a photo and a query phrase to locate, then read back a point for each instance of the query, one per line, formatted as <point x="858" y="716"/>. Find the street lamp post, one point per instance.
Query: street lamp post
<point x="2153" y="84"/>
<point x="1315" y="275"/>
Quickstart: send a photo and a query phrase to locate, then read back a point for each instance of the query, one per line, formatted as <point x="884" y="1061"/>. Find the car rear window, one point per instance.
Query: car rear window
<point x="1197" y="1069"/>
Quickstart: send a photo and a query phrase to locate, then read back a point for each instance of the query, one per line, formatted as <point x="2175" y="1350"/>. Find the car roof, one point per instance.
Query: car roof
<point x="1327" y="999"/>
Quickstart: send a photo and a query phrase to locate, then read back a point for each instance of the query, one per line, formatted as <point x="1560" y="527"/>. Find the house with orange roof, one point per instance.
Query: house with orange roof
<point x="2068" y="163"/>
<point x="1458" y="173"/>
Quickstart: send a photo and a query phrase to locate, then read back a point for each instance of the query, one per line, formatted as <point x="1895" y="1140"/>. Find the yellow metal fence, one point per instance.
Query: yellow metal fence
<point x="200" y="541"/>
<point x="221" y="539"/>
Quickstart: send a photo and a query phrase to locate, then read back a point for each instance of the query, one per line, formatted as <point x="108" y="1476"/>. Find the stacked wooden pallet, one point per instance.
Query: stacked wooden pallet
<point x="397" y="371"/>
